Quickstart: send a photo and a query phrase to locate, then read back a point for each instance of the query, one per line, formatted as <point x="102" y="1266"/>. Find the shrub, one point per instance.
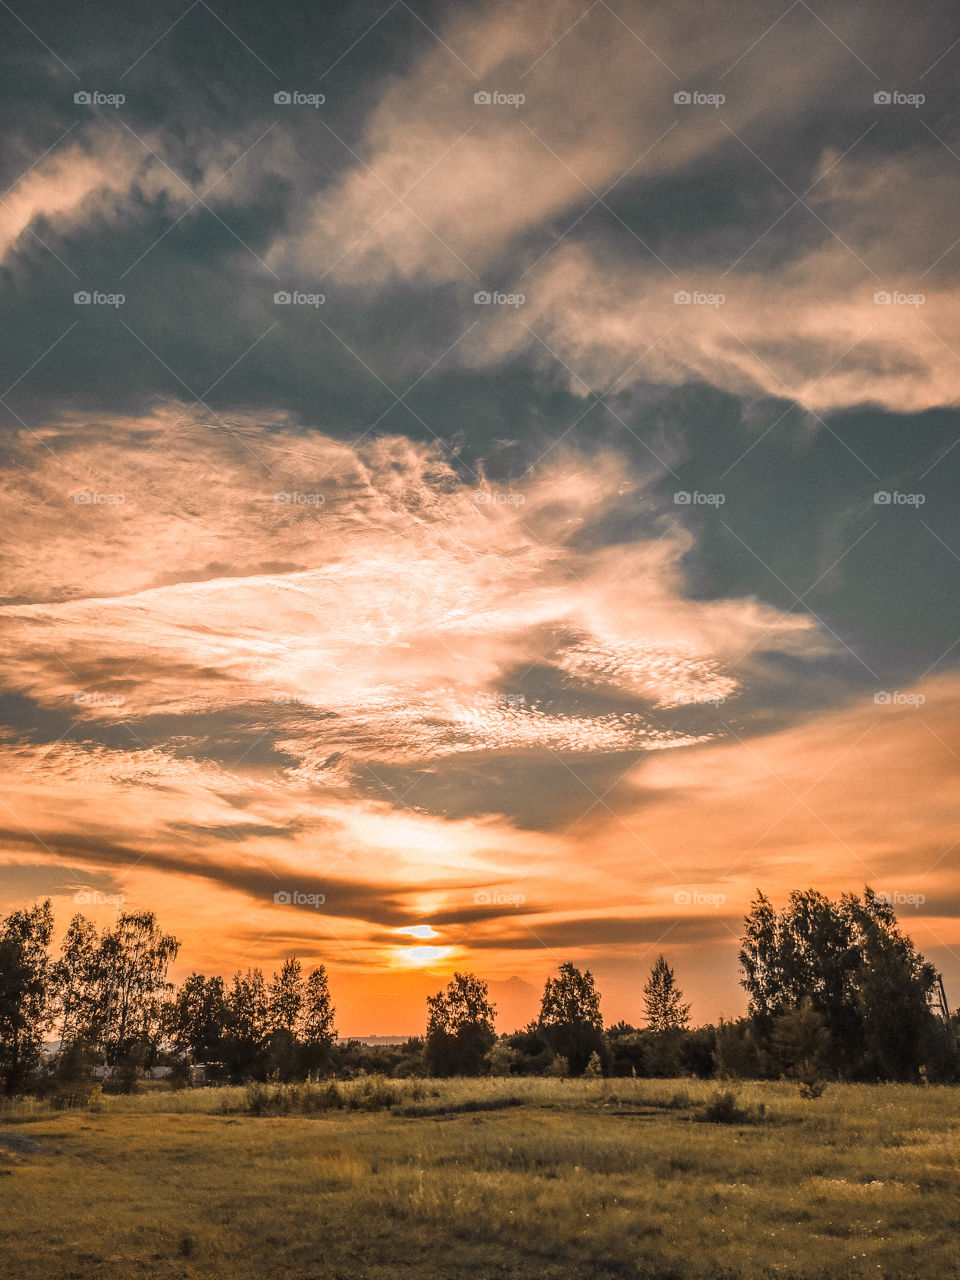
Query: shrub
<point x="723" y="1109"/>
<point x="256" y="1098"/>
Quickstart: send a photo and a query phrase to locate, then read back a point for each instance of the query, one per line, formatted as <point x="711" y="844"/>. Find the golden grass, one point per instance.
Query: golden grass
<point x="582" y="1179"/>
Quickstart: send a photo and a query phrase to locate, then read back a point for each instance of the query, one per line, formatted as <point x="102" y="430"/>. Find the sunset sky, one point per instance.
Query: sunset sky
<point x="503" y="512"/>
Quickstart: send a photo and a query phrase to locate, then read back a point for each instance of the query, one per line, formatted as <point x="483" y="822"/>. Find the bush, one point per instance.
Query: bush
<point x="723" y="1109"/>
<point x="810" y="1085"/>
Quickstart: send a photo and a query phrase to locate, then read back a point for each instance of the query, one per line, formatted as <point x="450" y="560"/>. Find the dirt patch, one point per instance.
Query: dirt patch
<point x="19" y="1142"/>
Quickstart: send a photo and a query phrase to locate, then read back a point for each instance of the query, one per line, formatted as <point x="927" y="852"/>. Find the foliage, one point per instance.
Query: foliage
<point x="459" y="1027"/>
<point x="858" y="972"/>
<point x="25" y="994"/>
<point x="570" y="1019"/>
<point x="663" y="1000"/>
<point x="724" y="1109"/>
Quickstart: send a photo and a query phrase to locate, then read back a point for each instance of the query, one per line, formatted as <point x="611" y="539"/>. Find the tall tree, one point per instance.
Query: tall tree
<point x="570" y="1019"/>
<point x="851" y="964"/>
<point x="249" y="1025"/>
<point x="663" y="999"/>
<point x="135" y="956"/>
<point x="26" y="1004"/>
<point x="286" y="997"/>
<point x="317" y="1029"/>
<point x="197" y="1019"/>
<point x="460" y="1027"/>
<point x="78" y="988"/>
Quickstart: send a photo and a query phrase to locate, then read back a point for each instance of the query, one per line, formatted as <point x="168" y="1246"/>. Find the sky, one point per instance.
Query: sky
<point x="478" y="482"/>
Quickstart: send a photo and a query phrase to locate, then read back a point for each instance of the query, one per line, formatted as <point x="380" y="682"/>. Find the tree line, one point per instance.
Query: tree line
<point x="836" y="991"/>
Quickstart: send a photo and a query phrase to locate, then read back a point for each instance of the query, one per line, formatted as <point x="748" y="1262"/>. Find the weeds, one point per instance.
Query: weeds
<point x="723" y="1108"/>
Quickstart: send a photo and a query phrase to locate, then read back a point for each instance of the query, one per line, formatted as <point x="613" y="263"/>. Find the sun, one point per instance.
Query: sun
<point x="420" y="931"/>
<point x="422" y="957"/>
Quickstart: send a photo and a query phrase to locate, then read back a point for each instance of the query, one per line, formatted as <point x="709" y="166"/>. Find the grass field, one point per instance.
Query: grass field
<point x="484" y="1179"/>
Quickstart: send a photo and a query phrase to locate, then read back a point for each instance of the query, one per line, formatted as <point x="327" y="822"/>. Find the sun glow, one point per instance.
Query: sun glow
<point x="422" y="957"/>
<point x="420" y="931"/>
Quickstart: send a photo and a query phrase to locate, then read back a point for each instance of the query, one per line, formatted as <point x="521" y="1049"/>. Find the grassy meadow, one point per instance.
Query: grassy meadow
<point x="422" y="1180"/>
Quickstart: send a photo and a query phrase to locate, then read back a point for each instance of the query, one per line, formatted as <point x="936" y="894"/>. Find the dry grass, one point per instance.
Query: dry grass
<point x="511" y="1178"/>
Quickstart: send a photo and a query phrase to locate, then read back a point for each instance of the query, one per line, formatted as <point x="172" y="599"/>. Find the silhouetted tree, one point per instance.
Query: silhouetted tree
<point x="857" y="971"/>
<point x="132" y="988"/>
<point x="626" y="1050"/>
<point x="799" y="1040"/>
<point x="26" y="1005"/>
<point x="285" y="1001"/>
<point x="197" y="1020"/>
<point x="570" y="1020"/>
<point x="459" y="1027"/>
<point x="663" y="999"/>
<point x="76" y="978"/>
<point x="248" y="1026"/>
<point x="317" y="1032"/>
